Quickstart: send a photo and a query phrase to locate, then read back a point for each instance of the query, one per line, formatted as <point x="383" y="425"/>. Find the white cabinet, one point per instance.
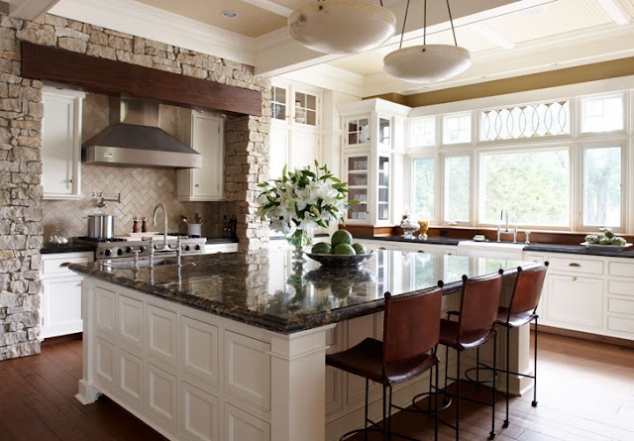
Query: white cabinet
<point x="60" y="310"/>
<point x="205" y="134"/>
<point x="61" y="143"/>
<point x="295" y="138"/>
<point x="372" y="147"/>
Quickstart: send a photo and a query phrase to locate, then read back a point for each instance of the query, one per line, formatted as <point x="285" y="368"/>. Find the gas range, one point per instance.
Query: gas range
<point x="126" y="247"/>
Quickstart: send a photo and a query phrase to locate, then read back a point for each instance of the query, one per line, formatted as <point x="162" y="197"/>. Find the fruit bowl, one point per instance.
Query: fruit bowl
<point x="599" y="247"/>
<point x="340" y="260"/>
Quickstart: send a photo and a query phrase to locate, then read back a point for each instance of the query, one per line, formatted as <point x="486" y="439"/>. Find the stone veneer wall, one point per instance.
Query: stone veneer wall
<point x="21" y="110"/>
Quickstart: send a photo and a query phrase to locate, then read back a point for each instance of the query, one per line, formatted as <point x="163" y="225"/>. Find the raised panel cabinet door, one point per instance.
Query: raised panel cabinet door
<point x="242" y="426"/>
<point x="131" y="321"/>
<point x="161" y="333"/>
<point x="105" y="364"/>
<point x="105" y="310"/>
<point x="161" y="398"/>
<point x="278" y="150"/>
<point x="247" y="369"/>
<point x="131" y="378"/>
<point x="199" y="413"/>
<point x="200" y="349"/>
<point x="304" y="148"/>
<point x="575" y="302"/>
<point x="61" y="307"/>
<point x="61" y="128"/>
<point x="207" y="139"/>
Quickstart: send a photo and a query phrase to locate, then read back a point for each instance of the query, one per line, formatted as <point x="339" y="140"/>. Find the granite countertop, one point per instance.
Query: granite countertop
<point x="581" y="250"/>
<point x="265" y="288"/>
<point x="435" y="240"/>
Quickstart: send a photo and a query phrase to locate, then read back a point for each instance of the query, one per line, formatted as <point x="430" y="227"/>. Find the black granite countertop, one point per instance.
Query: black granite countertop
<point x="580" y="249"/>
<point x="265" y="288"/>
<point x="430" y="240"/>
<point x="66" y="248"/>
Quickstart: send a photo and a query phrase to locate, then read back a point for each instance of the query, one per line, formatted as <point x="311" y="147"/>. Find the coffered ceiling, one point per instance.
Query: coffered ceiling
<point x="506" y="37"/>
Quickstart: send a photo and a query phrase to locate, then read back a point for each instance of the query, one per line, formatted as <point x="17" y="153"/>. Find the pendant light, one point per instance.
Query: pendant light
<point x="341" y="27"/>
<point x="427" y="63"/>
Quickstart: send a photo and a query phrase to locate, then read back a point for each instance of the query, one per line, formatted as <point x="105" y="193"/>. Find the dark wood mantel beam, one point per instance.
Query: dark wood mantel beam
<point x="108" y="77"/>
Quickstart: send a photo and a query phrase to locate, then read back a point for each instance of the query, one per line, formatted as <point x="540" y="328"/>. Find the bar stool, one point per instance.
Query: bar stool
<point x="480" y="298"/>
<point x="411" y="327"/>
<point x="521" y="311"/>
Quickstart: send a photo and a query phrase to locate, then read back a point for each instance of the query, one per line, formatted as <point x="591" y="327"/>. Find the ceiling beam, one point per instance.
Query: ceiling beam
<point x="100" y="75"/>
<point x="30" y="9"/>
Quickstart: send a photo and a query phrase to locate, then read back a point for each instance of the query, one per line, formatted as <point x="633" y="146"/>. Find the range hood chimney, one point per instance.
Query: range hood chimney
<point x="133" y="138"/>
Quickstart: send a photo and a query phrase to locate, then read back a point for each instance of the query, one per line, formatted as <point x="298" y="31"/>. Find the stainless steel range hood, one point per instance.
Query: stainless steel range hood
<point x="134" y="139"/>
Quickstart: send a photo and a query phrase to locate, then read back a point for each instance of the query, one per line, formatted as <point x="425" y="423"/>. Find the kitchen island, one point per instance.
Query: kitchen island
<point x="231" y="346"/>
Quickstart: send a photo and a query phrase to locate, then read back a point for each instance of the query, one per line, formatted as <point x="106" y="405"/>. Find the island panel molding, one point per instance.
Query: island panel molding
<point x="100" y="75"/>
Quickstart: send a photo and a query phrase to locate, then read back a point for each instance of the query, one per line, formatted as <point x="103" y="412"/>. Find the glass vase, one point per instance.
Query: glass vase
<point x="298" y="240"/>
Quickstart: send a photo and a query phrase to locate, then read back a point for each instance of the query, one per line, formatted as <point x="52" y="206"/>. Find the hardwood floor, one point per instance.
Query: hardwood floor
<point x="586" y="392"/>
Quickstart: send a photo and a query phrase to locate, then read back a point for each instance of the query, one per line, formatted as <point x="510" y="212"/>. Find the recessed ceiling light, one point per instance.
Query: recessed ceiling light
<point x="229" y="14"/>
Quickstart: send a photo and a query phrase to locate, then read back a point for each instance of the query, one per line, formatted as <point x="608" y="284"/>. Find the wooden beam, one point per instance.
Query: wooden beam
<point x="30" y="9"/>
<point x="99" y="75"/>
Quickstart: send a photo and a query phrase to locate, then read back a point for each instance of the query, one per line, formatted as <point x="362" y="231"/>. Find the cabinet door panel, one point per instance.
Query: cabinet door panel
<point x="161" y="332"/>
<point x="241" y="426"/>
<point x="575" y="301"/>
<point x="207" y="140"/>
<point x="304" y="148"/>
<point x="161" y="394"/>
<point x="200" y="349"/>
<point x="199" y="413"/>
<point x="131" y="375"/>
<point x="61" y="307"/>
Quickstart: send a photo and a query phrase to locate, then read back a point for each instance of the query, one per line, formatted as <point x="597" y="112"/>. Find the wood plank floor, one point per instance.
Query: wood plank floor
<point x="586" y="392"/>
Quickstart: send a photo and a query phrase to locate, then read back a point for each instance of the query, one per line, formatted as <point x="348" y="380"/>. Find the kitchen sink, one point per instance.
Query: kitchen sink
<point x="500" y="250"/>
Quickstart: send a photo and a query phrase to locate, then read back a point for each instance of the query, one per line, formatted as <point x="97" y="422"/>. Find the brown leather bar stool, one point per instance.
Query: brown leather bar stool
<point x="411" y="327"/>
<point x="521" y="311"/>
<point x="480" y="298"/>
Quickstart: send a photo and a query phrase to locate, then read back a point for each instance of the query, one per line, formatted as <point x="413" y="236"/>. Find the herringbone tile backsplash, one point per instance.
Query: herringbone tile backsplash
<point x="141" y="189"/>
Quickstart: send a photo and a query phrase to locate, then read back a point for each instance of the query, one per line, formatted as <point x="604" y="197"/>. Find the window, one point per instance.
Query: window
<point x="534" y="187"/>
<point x="457" y="189"/>
<point x="424" y="177"/>
<point x="602" y="114"/>
<point x="602" y="187"/>
<point x="456" y="129"/>
<point x="424" y="132"/>
<point x="526" y="121"/>
<point x="278" y="103"/>
<point x="358" y="131"/>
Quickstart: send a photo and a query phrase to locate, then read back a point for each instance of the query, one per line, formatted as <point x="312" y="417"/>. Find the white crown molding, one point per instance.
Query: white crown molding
<point x="156" y="24"/>
<point x="575" y="50"/>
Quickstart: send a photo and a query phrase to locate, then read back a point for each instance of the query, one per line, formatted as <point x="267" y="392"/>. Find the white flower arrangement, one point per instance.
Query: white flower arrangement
<point x="303" y="200"/>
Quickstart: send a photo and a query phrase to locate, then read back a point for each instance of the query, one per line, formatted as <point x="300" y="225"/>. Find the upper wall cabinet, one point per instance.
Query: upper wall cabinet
<point x="296" y="135"/>
<point x="205" y="134"/>
<point x="372" y="149"/>
<point x="61" y="143"/>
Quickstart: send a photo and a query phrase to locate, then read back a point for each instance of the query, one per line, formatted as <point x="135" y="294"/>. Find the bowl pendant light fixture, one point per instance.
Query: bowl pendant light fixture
<point x="341" y="26"/>
<point x="427" y="63"/>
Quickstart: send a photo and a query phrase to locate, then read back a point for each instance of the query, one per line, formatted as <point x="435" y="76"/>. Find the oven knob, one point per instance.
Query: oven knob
<point x="187" y="248"/>
<point x="120" y="252"/>
<point x="108" y="253"/>
<point x="197" y="247"/>
<point x="128" y="249"/>
<point x="142" y="248"/>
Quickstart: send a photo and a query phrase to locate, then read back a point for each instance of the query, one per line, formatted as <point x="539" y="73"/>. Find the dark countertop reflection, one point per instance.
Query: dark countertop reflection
<point x="267" y="288"/>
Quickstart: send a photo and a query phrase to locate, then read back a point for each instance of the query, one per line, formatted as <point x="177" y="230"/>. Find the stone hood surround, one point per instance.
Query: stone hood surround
<point x="261" y="288"/>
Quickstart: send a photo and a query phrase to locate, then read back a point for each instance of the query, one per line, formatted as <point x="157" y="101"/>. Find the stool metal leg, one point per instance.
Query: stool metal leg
<point x="508" y="374"/>
<point x="495" y="354"/>
<point x="458" y="399"/>
<point x="534" y="403"/>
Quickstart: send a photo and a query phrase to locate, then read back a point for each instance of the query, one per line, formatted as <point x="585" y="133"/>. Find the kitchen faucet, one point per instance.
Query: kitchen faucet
<point x="504" y="215"/>
<point x="165" y="247"/>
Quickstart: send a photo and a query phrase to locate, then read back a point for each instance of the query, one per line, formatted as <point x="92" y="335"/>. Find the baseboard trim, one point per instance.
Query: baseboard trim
<point x="61" y="339"/>
<point x="615" y="341"/>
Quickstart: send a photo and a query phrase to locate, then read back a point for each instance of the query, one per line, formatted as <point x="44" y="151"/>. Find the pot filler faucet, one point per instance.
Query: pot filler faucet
<point x="165" y="247"/>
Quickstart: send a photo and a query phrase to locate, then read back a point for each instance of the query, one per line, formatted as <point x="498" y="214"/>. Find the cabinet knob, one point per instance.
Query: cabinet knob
<point x="197" y="185"/>
<point x="70" y="180"/>
<point x="574" y="279"/>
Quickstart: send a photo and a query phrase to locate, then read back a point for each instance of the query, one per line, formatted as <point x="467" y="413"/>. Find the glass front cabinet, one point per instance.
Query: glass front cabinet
<point x="371" y="151"/>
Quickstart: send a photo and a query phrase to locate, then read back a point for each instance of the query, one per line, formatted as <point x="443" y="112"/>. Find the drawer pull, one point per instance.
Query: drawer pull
<point x="574" y="264"/>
